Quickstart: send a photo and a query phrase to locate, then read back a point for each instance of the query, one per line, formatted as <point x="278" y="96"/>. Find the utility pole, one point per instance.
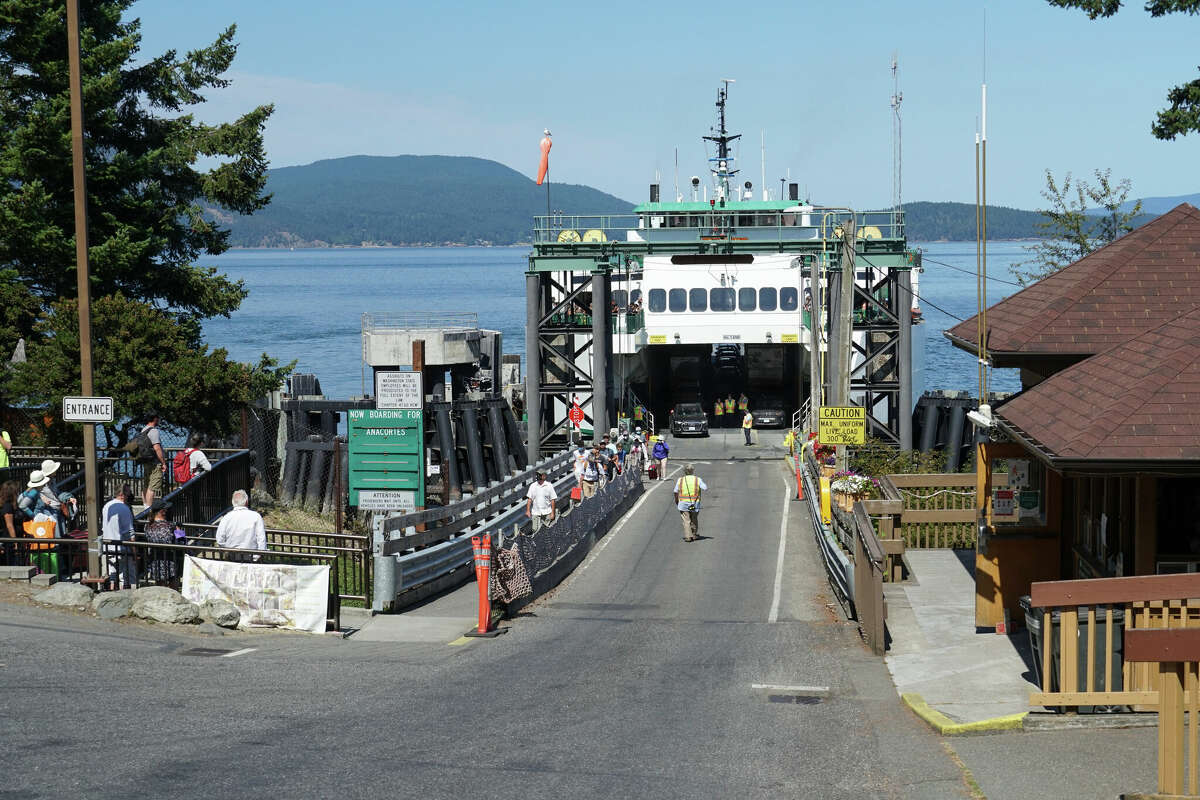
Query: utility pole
<point x="845" y="343"/>
<point x="92" y="494"/>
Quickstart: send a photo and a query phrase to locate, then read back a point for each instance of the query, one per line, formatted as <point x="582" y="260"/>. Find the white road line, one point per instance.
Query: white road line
<point x="778" y="687"/>
<point x="787" y="499"/>
<point x="241" y="652"/>
<point x="628" y="515"/>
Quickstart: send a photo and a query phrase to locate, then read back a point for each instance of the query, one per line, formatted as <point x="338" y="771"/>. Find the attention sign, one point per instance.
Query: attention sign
<point x="842" y="425"/>
<point x="398" y="390"/>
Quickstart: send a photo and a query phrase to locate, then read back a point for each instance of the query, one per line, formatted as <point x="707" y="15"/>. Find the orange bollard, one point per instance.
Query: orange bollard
<point x="482" y="547"/>
<point x="799" y="484"/>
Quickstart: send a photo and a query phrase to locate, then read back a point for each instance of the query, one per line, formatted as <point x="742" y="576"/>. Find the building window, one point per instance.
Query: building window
<point x="746" y="299"/>
<point x="789" y="298"/>
<point x="721" y="299"/>
<point x="677" y="300"/>
<point x="768" y="298"/>
<point x="698" y="300"/>
<point x="658" y="300"/>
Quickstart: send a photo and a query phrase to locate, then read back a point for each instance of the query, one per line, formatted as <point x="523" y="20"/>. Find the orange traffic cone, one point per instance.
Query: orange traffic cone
<point x="482" y="546"/>
<point x="799" y="482"/>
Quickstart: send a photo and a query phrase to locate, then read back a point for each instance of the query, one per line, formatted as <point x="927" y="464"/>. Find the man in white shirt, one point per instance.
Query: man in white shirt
<point x="540" y="502"/>
<point x="242" y="528"/>
<point x="117" y="521"/>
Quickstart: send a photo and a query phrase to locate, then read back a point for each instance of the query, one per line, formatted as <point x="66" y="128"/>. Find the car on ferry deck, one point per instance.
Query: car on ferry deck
<point x="769" y="412"/>
<point x="689" y="419"/>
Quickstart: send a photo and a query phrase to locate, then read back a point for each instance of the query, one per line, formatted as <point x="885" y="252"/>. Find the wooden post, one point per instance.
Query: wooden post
<point x="1170" y="728"/>
<point x="418" y="365"/>
<point x="337" y="485"/>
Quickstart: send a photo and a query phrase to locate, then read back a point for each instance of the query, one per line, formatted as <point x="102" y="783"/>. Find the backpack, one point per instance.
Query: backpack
<point x="182" y="465"/>
<point x="141" y="448"/>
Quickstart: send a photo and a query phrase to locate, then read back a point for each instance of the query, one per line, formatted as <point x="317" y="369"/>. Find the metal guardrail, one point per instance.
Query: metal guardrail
<point x="420" y="320"/>
<point x="837" y="562"/>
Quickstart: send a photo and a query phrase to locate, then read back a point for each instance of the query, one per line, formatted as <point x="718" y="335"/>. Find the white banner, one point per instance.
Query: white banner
<point x="268" y="595"/>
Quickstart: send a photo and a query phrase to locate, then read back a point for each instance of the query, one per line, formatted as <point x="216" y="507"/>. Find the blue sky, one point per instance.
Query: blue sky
<point x="623" y="84"/>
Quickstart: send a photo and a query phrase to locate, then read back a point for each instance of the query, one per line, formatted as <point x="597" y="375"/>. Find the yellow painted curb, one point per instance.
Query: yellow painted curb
<point x="948" y="727"/>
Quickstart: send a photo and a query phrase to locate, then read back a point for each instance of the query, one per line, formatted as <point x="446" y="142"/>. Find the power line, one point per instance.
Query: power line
<point x="919" y="297"/>
<point x="968" y="272"/>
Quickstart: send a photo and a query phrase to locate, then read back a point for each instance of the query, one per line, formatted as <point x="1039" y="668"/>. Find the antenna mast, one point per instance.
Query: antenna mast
<point x="721" y="171"/>
<point x="897" y="150"/>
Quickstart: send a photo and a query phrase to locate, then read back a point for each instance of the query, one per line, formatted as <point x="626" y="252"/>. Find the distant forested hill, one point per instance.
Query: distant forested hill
<point x="955" y="222"/>
<point x="406" y="200"/>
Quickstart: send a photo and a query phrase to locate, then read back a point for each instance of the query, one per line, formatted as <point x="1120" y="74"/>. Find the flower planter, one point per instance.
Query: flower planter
<point x="828" y="470"/>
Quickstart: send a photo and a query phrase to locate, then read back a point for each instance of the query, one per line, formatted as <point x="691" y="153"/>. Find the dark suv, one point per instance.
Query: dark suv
<point x="689" y="418"/>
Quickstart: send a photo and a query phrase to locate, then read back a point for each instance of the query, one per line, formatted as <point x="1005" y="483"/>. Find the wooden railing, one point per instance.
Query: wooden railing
<point x="1175" y="656"/>
<point x="938" y="509"/>
<point x="1081" y="621"/>
<point x="875" y="562"/>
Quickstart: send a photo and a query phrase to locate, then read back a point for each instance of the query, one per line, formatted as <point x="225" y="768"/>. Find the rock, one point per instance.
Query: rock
<point x="221" y="612"/>
<point x="44" y="579"/>
<point x="66" y="594"/>
<point x="161" y="604"/>
<point x="112" y="605"/>
<point x="209" y="629"/>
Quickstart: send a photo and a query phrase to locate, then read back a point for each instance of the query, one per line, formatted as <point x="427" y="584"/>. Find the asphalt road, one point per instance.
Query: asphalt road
<point x="635" y="678"/>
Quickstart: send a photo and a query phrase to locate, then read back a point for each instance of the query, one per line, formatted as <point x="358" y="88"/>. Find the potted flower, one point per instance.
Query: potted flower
<point x="849" y="487"/>
<point x="825" y="456"/>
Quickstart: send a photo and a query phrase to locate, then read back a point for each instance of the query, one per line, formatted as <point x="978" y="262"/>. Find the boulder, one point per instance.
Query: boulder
<point x="161" y="604"/>
<point x="111" y="605"/>
<point x="221" y="612"/>
<point x="66" y="594"/>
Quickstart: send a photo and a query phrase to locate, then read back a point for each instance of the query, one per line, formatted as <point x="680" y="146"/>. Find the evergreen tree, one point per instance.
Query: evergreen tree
<point x="145" y="190"/>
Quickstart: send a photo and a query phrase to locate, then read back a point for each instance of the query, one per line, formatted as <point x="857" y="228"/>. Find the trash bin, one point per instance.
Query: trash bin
<point x="1037" y="639"/>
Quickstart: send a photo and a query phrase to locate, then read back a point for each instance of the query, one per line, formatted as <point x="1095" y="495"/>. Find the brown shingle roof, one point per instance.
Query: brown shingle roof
<point x="1139" y="400"/>
<point x="1138" y="282"/>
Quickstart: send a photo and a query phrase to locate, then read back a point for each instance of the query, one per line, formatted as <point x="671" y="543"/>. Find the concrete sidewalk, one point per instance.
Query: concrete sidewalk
<point x="980" y="683"/>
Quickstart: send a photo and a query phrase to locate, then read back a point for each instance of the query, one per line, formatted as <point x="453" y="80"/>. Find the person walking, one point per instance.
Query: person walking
<point x="747" y="425"/>
<point x="687" y="499"/>
<point x="117" y="521"/>
<point x="157" y="475"/>
<point x="659" y="454"/>
<point x="540" y="502"/>
<point x="5" y="446"/>
<point x="590" y="476"/>
<point x="9" y="492"/>
<point x="578" y="462"/>
<point x="242" y="528"/>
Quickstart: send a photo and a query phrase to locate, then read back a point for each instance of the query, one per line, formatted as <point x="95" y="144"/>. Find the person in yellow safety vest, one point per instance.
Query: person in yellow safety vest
<point x="789" y="442"/>
<point x="687" y="500"/>
<point x="743" y="402"/>
<point x="729" y="405"/>
<point x="747" y="424"/>
<point x="718" y="411"/>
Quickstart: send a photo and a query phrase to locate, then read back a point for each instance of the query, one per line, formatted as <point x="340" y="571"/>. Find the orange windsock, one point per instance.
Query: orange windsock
<point x="544" y="166"/>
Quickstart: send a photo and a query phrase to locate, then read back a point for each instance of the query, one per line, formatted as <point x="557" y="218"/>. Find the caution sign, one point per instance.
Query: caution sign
<point x="842" y="425"/>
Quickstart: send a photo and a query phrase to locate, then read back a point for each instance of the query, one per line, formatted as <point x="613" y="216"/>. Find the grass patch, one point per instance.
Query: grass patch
<point x="298" y="519"/>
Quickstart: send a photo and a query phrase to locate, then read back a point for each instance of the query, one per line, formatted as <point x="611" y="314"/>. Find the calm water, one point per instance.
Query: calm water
<point x="307" y="304"/>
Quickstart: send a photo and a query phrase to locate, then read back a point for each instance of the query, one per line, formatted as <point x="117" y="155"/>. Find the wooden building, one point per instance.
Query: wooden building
<point x="1093" y="469"/>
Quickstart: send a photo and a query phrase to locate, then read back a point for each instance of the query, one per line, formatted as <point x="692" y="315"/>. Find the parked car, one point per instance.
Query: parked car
<point x="769" y="412"/>
<point x="689" y="418"/>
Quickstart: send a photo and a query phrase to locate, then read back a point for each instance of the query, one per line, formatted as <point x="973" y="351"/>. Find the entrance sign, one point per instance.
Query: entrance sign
<point x="87" y="409"/>
<point x="387" y="455"/>
<point x="398" y="390"/>
<point x="842" y="425"/>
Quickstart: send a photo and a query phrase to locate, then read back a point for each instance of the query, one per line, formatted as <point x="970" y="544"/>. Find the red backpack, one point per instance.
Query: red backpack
<point x="182" y="465"/>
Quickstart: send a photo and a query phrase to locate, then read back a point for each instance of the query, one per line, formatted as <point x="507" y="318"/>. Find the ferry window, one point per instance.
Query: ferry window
<point x="788" y="297"/>
<point x="746" y="299"/>
<point x="677" y="300"/>
<point x="698" y="300"/>
<point x="767" y="299"/>
<point x="658" y="300"/>
<point x="635" y="295"/>
<point x="721" y="299"/>
<point x="620" y="298"/>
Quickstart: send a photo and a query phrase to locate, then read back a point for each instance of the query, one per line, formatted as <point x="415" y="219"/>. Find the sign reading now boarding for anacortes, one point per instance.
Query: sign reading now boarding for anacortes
<point x="842" y="425"/>
<point x="387" y="452"/>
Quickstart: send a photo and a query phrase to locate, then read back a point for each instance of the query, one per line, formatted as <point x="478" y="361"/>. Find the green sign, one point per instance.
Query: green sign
<point x="387" y="458"/>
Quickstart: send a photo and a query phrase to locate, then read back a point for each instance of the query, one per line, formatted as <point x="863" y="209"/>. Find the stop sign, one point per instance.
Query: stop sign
<point x="575" y="415"/>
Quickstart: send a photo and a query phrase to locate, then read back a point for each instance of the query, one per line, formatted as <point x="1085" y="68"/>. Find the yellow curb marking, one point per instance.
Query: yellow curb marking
<point x="459" y="641"/>
<point x="948" y="727"/>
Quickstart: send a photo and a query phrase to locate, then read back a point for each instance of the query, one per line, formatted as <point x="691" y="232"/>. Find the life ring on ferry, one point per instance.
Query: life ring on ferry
<point x="870" y="232"/>
<point x="568" y="236"/>
<point x="594" y="235"/>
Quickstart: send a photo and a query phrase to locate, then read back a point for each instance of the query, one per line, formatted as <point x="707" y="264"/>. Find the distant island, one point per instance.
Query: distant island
<point x="414" y="201"/>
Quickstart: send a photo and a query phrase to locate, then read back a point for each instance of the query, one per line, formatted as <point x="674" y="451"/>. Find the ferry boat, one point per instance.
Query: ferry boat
<point x="697" y="298"/>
